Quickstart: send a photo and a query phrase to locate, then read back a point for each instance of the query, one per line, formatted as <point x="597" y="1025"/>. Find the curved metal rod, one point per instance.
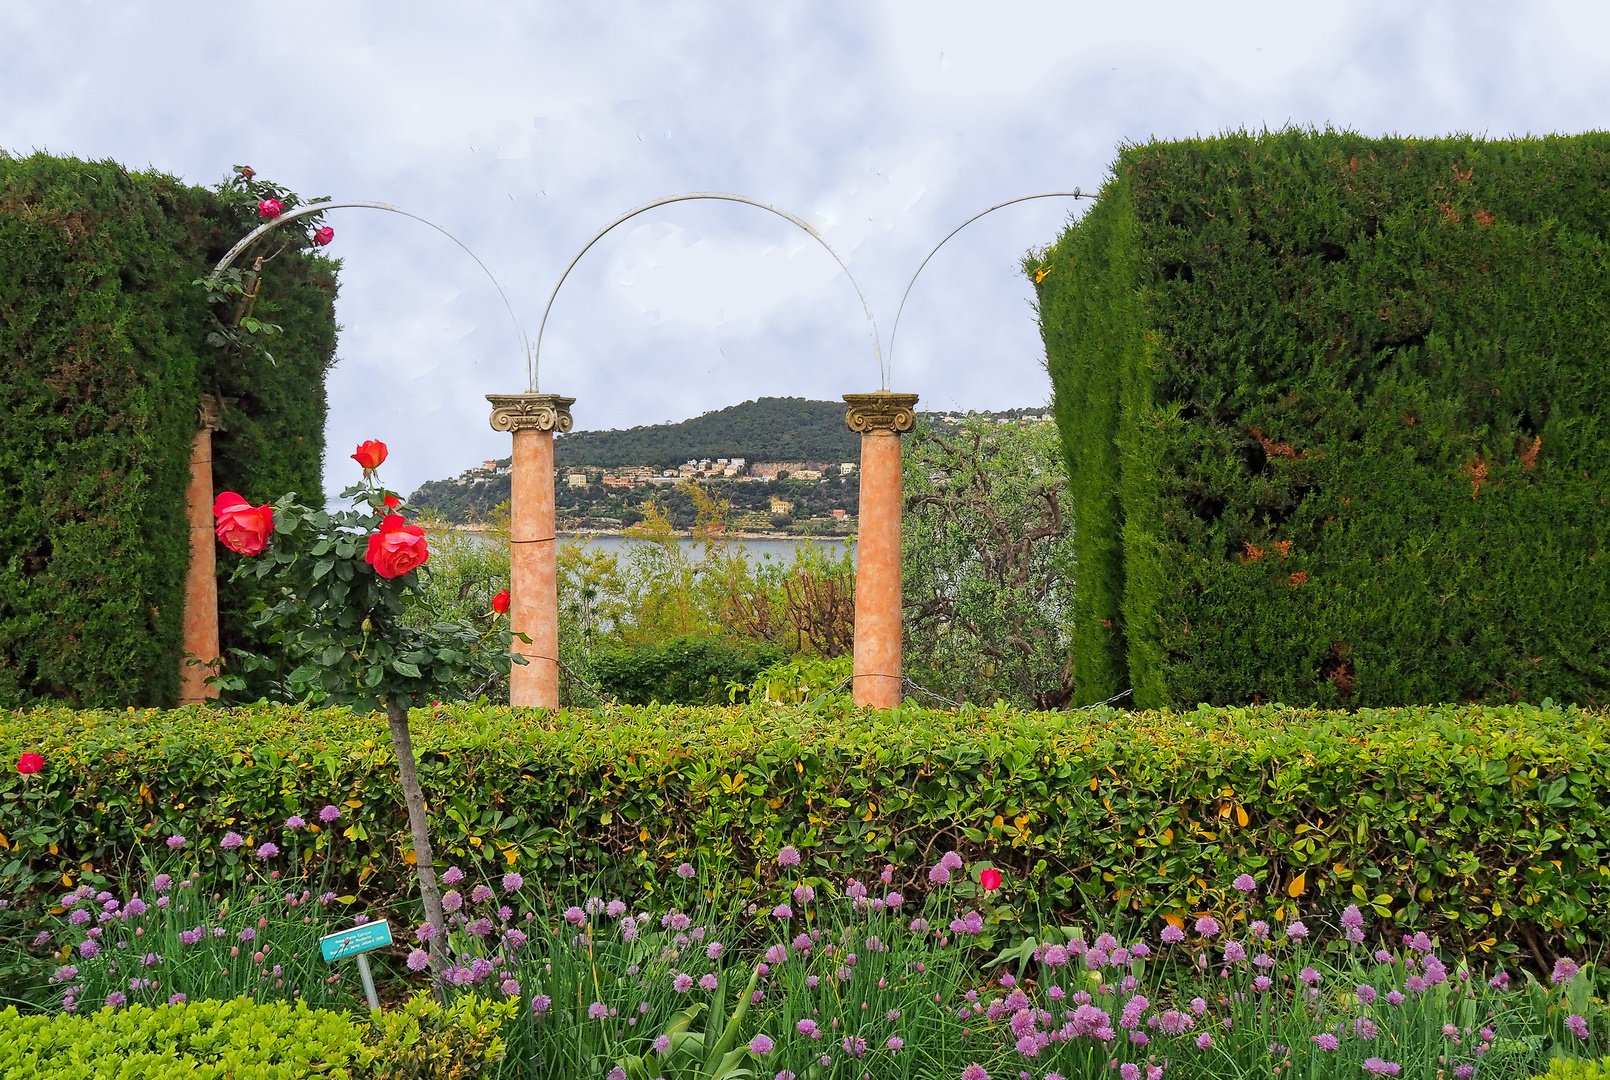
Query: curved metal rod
<point x="718" y="196"/>
<point x="1074" y="194"/>
<point x="318" y="207"/>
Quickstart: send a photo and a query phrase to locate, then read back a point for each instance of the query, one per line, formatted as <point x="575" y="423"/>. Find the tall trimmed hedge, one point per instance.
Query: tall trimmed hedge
<point x="103" y="357"/>
<point x="1488" y="826"/>
<point x="1334" y="410"/>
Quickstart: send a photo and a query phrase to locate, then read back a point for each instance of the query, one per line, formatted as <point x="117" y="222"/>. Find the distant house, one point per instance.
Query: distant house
<point x="806" y="474"/>
<point x="847" y="468"/>
<point x="840" y="515"/>
<point x="781" y="506"/>
<point x="576" y="479"/>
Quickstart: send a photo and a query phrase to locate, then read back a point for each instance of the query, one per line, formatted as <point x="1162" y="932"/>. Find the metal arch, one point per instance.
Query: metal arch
<point x="319" y="207"/>
<point x="718" y="196"/>
<point x="1074" y="194"/>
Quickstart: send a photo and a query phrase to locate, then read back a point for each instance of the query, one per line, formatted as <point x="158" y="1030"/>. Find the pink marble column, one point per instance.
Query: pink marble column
<point x="533" y="563"/>
<point x="201" y="577"/>
<point x="880" y="418"/>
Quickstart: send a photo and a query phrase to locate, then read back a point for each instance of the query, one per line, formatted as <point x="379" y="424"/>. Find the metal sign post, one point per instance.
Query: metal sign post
<point x="356" y="941"/>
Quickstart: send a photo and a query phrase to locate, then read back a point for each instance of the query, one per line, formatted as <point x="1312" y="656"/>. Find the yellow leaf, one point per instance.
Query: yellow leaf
<point x="67" y="879"/>
<point x="1175" y="921"/>
<point x="145" y="793"/>
<point x="1224" y="810"/>
<point x="1498" y="909"/>
<point x="410" y="858"/>
<point x="1095" y="782"/>
<point x="510" y="853"/>
<point x="475" y="841"/>
<point x="1168" y="836"/>
<point x="355" y="803"/>
<point x="53" y="850"/>
<point x="1298" y="884"/>
<point x="999" y="821"/>
<point x="642" y="837"/>
<point x="1241" y="817"/>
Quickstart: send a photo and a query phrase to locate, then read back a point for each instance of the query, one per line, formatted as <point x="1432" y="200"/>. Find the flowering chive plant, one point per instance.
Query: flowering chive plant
<point x="346" y="583"/>
<point x="846" y="979"/>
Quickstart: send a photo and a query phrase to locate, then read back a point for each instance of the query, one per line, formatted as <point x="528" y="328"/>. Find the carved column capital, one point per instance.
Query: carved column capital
<point x="530" y="412"/>
<point x="881" y="411"/>
<point x="210" y="414"/>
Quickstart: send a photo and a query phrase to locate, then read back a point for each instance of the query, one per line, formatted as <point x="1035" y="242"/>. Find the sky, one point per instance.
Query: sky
<point x="523" y="129"/>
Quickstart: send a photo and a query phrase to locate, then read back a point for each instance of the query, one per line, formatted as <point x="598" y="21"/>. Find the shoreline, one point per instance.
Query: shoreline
<point x="681" y="534"/>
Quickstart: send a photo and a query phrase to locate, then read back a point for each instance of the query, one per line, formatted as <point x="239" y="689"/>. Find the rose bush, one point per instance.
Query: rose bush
<point x="345" y="585"/>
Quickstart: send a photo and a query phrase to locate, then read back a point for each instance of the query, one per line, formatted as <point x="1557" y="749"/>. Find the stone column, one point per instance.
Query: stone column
<point x="533" y="566"/>
<point x="880" y="418"/>
<point x="201" y="578"/>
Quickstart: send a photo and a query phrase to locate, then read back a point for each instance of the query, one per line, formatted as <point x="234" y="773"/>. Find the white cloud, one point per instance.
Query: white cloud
<point x="523" y="129"/>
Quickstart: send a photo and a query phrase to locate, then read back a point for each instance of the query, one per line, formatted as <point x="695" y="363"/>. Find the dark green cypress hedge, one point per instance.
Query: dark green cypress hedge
<point x="104" y="355"/>
<point x="1332" y="408"/>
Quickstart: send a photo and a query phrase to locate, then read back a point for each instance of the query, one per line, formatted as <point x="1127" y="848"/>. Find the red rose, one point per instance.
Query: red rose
<point x="990" y="879"/>
<point x="246" y="171"/>
<point x="242" y="527"/>
<point x="270" y="208"/>
<point x="370" y="454"/>
<point x="324" y="236"/>
<point x="30" y="763"/>
<point x="397" y="548"/>
<point x="500" y="602"/>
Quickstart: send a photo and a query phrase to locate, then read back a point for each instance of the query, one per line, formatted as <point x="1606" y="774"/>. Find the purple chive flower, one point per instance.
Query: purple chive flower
<point x="452" y="876"/>
<point x="804" y="894"/>
<point x="662" y="1044"/>
<point x="176" y="841"/>
<point x="615" y="909"/>
<point x="480" y="894"/>
<point x="777" y="954"/>
<point x="1565" y="969"/>
<point x="1324" y="1040"/>
<point x="1129" y="1071"/>
<point x="135" y="907"/>
<point x="231" y="841"/>
<point x="1172" y="935"/>
<point x="788" y="856"/>
<point x="1352" y="918"/>
<point x="1499" y="981"/>
<point x="1464" y="1071"/>
<point x="1309" y="976"/>
<point x="1394" y="998"/>
<point x="418" y="960"/>
<point x="1381" y="1068"/>
<point x="540" y="1004"/>
<point x="895" y="1043"/>
<point x="452" y="901"/>
<point x="714" y="950"/>
<point x="116" y="1000"/>
<point x="247" y="934"/>
<point x="782" y="911"/>
<point x="1297" y="930"/>
<point x="709" y="981"/>
<point x="760" y="1045"/>
<point x="294" y="822"/>
<point x="686" y="871"/>
<point x="976" y="1071"/>
<point x="940" y="874"/>
<point x="1234" y="953"/>
<point x="1244" y="884"/>
<point x="177" y="999"/>
<point x="806" y="1027"/>
<point x="509" y="988"/>
<point x="512" y="882"/>
<point x="1366" y="994"/>
<point x="1204" y="1041"/>
<point x="330" y="813"/>
<point x="1207" y="926"/>
<point x="682" y="983"/>
<point x="1364" y="1028"/>
<point x="268" y="851"/>
<point x="598" y="1010"/>
<point x="1577" y="1026"/>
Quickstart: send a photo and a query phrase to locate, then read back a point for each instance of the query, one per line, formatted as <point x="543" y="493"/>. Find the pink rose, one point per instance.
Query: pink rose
<point x="242" y="527"/>
<point x="323" y="236"/>
<point x="397" y="548"/>
<point x="270" y="208"/>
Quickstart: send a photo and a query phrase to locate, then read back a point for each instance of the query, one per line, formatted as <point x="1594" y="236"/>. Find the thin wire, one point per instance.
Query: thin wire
<point x="598" y="692"/>
<point x="1074" y="194"/>
<point x="909" y="681"/>
<point x="320" y="207"/>
<point x="718" y="196"/>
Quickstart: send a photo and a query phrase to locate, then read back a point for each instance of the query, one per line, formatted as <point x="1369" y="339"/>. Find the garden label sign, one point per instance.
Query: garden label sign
<point x="355" y="941"/>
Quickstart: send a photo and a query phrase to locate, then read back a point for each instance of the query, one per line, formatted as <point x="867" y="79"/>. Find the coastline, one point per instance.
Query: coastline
<point x="738" y="535"/>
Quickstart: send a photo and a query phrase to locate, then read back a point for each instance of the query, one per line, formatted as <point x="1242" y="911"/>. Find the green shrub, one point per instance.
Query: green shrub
<point x="105" y="357"/>
<point x="681" y="671"/>
<point x="1576" y="1069"/>
<point x="1482" y="824"/>
<point x="1333" y="409"/>
<point x="202" y="1040"/>
<point x="423" y="1041"/>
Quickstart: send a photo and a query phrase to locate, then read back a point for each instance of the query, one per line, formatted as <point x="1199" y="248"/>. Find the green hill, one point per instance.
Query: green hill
<point x="769" y="429"/>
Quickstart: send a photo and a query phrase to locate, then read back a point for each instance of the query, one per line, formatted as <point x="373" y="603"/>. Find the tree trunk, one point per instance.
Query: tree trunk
<point x="424" y="858"/>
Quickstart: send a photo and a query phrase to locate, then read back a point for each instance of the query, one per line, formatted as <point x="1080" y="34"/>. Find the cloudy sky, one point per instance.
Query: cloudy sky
<point x="524" y="128"/>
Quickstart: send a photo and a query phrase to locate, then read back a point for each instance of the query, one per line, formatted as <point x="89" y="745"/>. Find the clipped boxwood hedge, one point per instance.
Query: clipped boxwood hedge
<point x="202" y="1040"/>
<point x="1487" y="825"/>
<point x="1334" y="409"/>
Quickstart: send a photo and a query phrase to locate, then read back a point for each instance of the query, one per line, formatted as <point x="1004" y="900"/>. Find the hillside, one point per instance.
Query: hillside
<point x="770" y="429"/>
<point x="767" y="430"/>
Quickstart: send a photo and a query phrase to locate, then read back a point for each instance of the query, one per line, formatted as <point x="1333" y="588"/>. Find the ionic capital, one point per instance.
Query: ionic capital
<point x="210" y="413"/>
<point x="881" y="411"/>
<point x="530" y="412"/>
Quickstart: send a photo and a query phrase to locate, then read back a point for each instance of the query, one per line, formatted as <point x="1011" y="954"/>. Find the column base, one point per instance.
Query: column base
<point x="871" y="691"/>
